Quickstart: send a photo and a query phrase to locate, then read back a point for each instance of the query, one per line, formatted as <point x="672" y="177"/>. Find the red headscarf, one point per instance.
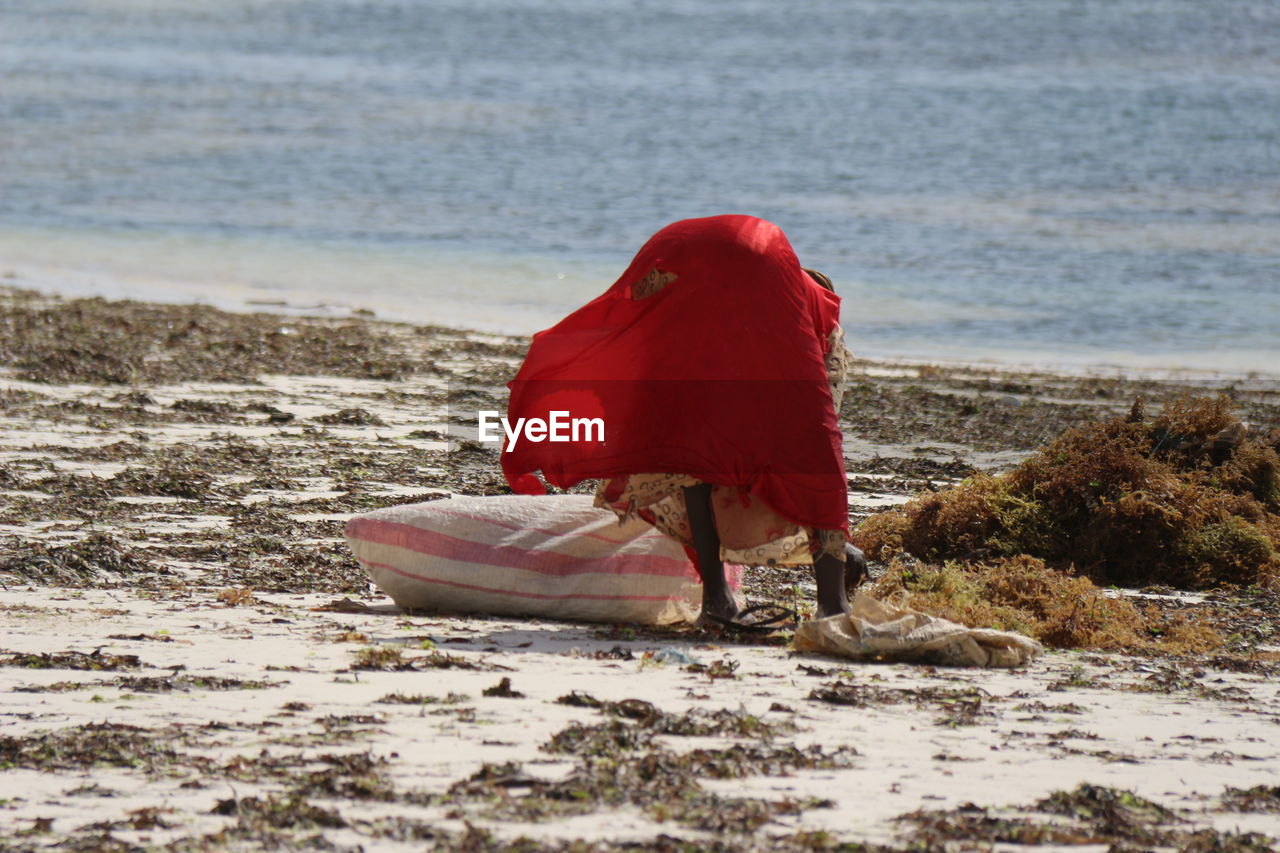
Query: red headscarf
<point x="719" y="374"/>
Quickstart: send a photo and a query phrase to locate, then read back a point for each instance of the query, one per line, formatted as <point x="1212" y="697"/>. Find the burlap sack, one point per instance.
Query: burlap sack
<point x="875" y="630"/>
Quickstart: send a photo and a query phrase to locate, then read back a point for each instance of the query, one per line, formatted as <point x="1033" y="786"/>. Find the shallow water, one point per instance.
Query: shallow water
<point x="1057" y="182"/>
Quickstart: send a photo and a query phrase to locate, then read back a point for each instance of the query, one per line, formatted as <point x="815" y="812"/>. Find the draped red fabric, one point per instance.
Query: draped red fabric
<point x="719" y="374"/>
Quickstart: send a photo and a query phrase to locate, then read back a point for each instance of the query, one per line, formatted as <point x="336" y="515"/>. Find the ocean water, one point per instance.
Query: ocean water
<point x="1058" y="182"/>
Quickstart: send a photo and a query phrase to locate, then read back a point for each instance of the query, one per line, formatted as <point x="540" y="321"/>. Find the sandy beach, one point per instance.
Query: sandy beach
<point x="191" y="659"/>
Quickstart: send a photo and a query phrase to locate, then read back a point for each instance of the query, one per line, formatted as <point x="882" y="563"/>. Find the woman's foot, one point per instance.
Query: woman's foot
<point x="717" y="607"/>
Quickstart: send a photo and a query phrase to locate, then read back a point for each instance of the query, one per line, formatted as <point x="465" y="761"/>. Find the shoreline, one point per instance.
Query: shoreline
<point x="249" y="295"/>
<point x="180" y="667"/>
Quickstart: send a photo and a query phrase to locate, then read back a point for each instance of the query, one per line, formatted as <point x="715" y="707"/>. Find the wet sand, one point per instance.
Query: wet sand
<point x="192" y="660"/>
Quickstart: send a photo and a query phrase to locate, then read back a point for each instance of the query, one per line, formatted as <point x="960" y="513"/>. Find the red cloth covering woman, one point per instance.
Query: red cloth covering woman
<point x="716" y="363"/>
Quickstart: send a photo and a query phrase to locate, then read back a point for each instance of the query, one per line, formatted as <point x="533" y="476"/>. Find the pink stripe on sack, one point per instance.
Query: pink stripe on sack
<point x="512" y="593"/>
<point x="434" y="544"/>
<point x="651" y="534"/>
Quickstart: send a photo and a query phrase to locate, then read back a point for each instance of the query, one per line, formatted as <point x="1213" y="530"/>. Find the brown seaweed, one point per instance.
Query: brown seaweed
<point x="1186" y="500"/>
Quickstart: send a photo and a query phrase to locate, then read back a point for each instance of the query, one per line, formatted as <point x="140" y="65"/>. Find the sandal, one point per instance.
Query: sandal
<point x="777" y="617"/>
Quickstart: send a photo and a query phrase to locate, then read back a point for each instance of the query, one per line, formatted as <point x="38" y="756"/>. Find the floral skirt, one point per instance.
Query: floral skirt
<point x="751" y="533"/>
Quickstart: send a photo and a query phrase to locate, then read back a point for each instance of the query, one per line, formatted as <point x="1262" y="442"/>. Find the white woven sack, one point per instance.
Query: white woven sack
<point x="555" y="556"/>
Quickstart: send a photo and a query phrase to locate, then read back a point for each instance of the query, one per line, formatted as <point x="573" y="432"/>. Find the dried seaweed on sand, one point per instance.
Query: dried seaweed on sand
<point x="1187" y="500"/>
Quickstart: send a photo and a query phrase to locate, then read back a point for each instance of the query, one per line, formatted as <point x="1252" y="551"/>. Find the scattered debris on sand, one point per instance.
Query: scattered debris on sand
<point x="194" y="662"/>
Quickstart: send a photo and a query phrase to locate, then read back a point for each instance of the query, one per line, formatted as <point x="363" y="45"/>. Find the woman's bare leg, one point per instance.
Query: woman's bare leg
<point x="716" y="599"/>
<point x="855" y="568"/>
<point x="828" y="572"/>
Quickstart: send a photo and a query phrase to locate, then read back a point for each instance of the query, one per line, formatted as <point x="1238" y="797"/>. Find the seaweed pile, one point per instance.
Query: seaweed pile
<point x="1188" y="499"/>
<point x="101" y="342"/>
<point x="1057" y="608"/>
